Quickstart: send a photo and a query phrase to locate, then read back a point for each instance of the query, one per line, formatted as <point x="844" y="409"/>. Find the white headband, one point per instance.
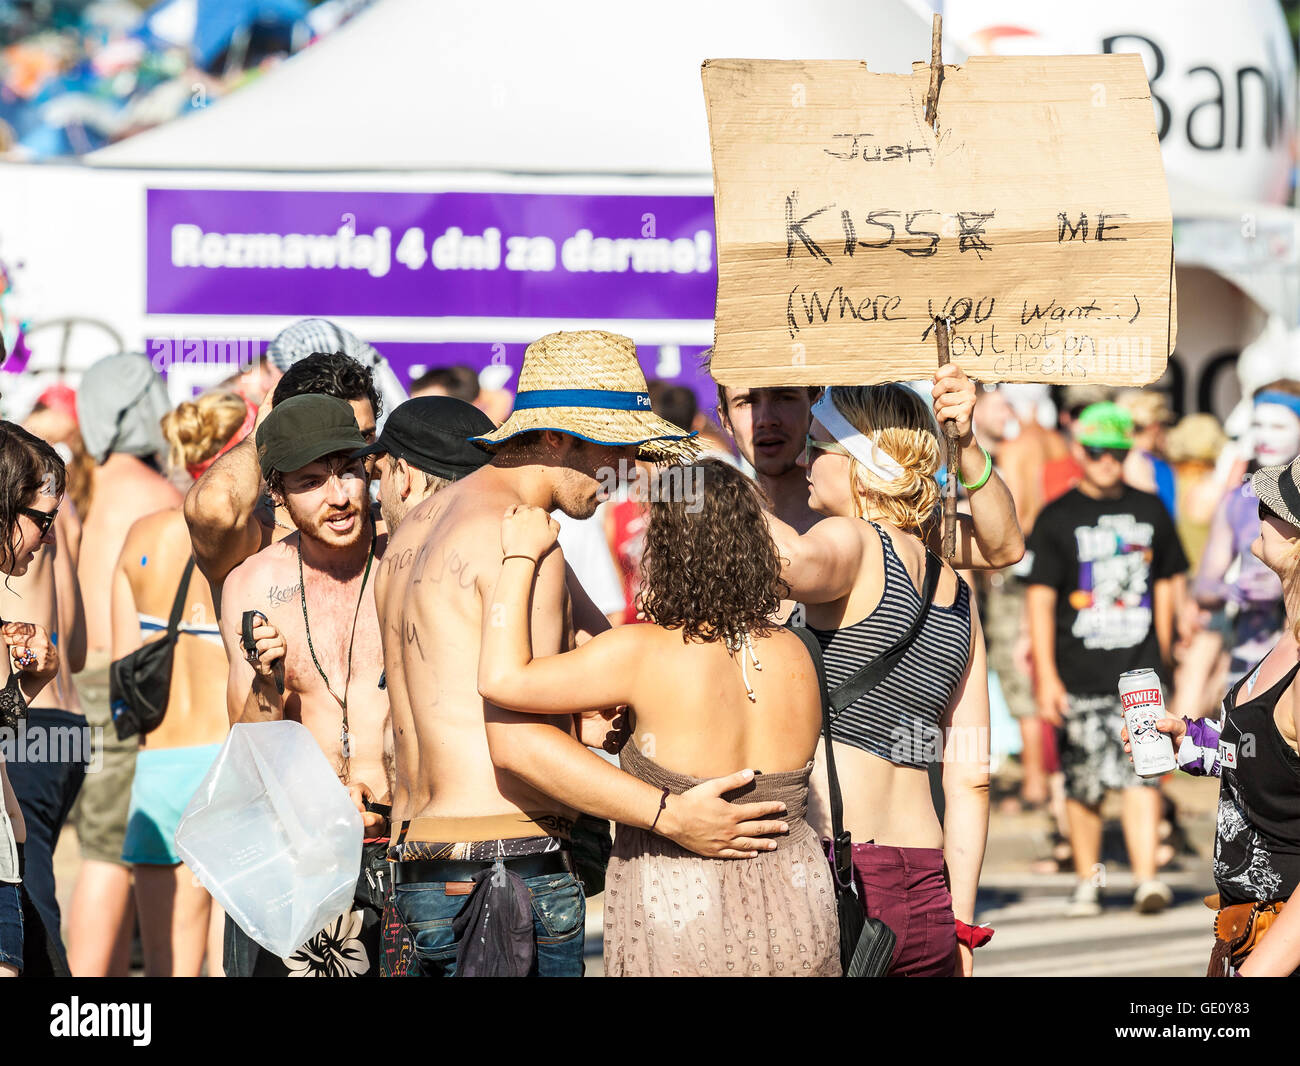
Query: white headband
<point x="864" y="449"/>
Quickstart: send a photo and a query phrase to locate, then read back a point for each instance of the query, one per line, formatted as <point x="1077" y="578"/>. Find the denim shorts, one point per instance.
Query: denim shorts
<point x="11" y="925"/>
<point x="559" y="916"/>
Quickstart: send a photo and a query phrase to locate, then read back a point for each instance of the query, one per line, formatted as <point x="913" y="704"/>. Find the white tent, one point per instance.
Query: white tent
<point x="583" y="87"/>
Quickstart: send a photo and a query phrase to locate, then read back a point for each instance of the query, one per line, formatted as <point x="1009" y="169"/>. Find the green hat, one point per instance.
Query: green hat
<point x="1104" y="425"/>
<point x="303" y="428"/>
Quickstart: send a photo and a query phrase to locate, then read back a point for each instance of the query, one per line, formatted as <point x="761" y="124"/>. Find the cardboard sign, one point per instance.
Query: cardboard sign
<point x="1037" y="219"/>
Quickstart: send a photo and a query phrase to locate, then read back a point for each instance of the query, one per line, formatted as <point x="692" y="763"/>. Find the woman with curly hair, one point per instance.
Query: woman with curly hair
<point x="709" y="685"/>
<point x="871" y="456"/>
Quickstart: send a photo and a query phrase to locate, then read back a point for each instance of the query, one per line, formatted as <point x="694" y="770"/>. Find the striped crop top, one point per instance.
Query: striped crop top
<point x="899" y="720"/>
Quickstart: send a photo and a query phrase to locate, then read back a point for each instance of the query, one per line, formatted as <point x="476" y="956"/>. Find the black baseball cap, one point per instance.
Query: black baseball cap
<point x="303" y="428"/>
<point x="431" y="433"/>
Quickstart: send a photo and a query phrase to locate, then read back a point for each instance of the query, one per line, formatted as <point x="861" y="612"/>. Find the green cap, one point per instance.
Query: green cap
<point x="1104" y="425"/>
<point x="303" y="428"/>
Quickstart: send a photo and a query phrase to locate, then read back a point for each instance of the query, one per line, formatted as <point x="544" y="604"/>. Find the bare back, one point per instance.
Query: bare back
<point x="150" y="569"/>
<point x="443" y="552"/>
<point x="125" y="490"/>
<point x="693" y="716"/>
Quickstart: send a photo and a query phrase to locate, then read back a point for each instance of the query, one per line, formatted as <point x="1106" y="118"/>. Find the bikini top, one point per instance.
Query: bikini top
<point x="899" y="719"/>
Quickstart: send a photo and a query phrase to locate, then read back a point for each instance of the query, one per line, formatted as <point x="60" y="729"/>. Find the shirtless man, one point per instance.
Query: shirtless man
<point x="769" y="426"/>
<point x="318" y="657"/>
<point x="425" y="447"/>
<point x="119" y="405"/>
<point x="482" y="782"/>
<point x="228" y="516"/>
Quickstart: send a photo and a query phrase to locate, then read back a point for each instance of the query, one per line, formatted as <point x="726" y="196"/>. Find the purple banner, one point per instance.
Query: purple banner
<point x="409" y="254"/>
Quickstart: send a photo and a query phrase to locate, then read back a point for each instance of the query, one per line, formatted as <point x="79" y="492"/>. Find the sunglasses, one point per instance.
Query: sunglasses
<point x="809" y="445"/>
<point x="1094" y="453"/>
<point x="42" y="519"/>
<point x="1266" y="512"/>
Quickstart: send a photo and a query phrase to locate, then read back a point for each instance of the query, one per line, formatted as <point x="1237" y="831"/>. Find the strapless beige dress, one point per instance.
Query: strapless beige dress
<point x="671" y="913"/>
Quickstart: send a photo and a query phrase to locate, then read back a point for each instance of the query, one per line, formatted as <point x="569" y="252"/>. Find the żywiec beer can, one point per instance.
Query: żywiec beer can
<point x="1144" y="702"/>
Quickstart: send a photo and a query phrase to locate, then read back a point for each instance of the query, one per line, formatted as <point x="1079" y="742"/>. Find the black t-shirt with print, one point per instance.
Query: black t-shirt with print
<point x="1103" y="558"/>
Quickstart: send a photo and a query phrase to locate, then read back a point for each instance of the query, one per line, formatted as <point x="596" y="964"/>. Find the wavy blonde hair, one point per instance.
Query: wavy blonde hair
<point x="197" y="429"/>
<point x="907" y="435"/>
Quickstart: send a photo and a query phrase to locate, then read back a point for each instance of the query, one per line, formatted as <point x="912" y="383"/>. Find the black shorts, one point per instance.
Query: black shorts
<point x="348" y="947"/>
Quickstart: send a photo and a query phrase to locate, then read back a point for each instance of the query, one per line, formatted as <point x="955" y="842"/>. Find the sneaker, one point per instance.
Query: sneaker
<point x="1085" y="901"/>
<point x="1152" y="897"/>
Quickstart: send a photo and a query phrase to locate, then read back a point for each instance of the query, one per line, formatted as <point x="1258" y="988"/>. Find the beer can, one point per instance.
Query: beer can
<point x="1144" y="702"/>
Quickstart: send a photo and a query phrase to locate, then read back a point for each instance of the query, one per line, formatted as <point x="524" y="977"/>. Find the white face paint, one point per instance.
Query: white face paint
<point x="47" y="486"/>
<point x="1275" y="434"/>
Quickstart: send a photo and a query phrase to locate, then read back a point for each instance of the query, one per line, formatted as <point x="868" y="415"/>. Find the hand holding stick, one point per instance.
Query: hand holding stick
<point x="943" y="326"/>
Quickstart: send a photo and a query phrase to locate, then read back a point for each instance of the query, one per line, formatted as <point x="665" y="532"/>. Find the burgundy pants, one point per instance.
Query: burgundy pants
<point x="905" y="889"/>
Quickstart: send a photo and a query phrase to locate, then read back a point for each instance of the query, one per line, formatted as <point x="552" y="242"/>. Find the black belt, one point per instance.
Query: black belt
<point x="415" y="871"/>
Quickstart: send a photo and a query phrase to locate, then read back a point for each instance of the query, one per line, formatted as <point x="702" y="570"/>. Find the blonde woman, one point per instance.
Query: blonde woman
<point x="871" y="459"/>
<point x="178" y="922"/>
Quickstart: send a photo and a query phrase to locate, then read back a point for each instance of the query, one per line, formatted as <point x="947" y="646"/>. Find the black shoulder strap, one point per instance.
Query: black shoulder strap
<point x="178" y="604"/>
<point x="865" y="679"/>
<point x="843" y="856"/>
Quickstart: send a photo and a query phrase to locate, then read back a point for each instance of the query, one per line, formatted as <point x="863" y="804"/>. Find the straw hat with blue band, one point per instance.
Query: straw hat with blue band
<point x="588" y="383"/>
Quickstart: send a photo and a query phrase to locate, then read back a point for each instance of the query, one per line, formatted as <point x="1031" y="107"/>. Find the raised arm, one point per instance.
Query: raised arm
<point x="990" y="538"/>
<point x="966" y="784"/>
<point x="822" y="565"/>
<point x="602" y="673"/>
<point x="220" y="511"/>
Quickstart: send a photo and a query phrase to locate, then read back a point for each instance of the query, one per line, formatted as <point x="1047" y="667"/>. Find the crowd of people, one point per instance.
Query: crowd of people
<point x="416" y="585"/>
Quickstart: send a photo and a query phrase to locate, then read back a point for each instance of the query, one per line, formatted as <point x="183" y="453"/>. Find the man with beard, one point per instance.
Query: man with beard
<point x="425" y="447"/>
<point x="482" y="784"/>
<point x="769" y="426"/>
<point x="317" y="657"/>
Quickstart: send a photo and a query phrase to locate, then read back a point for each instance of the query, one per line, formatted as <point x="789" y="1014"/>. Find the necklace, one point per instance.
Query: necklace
<point x="345" y="739"/>
<point x="735" y="645"/>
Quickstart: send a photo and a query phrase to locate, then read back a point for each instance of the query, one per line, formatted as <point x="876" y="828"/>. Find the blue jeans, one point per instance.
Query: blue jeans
<point x="11" y="925"/>
<point x="46" y="790"/>
<point x="559" y="915"/>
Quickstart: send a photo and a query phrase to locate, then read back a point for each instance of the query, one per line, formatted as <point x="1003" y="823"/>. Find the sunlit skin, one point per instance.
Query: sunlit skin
<point x="828" y="476"/>
<point x="328" y="499"/>
<point x="28" y="537"/>
<point x="1103" y="478"/>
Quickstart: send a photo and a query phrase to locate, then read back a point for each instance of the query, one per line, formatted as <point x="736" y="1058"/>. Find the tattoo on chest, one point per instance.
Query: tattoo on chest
<point x="283" y="593"/>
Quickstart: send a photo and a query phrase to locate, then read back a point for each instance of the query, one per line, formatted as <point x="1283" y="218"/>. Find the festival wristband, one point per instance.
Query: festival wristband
<point x="988" y="472"/>
<point x="973" y="936"/>
<point x="528" y="557"/>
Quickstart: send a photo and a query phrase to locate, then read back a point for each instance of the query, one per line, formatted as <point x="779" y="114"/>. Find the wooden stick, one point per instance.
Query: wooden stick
<point x="941" y="331"/>
<point x="936" y="72"/>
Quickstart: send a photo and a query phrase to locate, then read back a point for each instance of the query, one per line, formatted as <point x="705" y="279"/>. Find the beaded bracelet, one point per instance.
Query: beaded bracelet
<point x="988" y="472"/>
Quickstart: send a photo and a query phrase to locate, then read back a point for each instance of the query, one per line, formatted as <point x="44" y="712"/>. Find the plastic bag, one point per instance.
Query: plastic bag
<point x="273" y="835"/>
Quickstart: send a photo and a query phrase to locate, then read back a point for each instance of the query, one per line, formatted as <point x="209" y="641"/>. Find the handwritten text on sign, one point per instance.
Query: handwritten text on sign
<point x="1036" y="219"/>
